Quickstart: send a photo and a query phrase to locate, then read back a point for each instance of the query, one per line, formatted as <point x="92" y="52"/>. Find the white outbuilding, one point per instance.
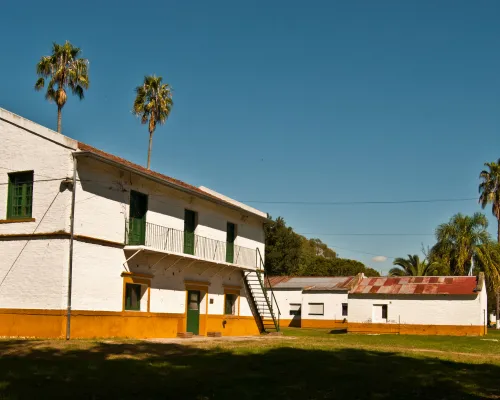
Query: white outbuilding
<point x="313" y="302"/>
<point x="425" y="305"/>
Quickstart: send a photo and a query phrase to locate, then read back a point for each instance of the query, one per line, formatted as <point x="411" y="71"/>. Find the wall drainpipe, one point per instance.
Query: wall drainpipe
<point x="70" y="265"/>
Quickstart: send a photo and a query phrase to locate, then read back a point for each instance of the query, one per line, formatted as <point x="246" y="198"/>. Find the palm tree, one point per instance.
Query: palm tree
<point x="153" y="103"/>
<point x="64" y="69"/>
<point x="489" y="189"/>
<point x="458" y="239"/>
<point x="412" y="266"/>
<point x="487" y="259"/>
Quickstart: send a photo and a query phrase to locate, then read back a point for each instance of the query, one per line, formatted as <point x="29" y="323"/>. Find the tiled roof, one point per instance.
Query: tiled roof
<point x="175" y="182"/>
<point x="326" y="283"/>
<point x="425" y="285"/>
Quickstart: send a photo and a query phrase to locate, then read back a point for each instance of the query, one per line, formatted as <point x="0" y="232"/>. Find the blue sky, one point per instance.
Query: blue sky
<point x="287" y="101"/>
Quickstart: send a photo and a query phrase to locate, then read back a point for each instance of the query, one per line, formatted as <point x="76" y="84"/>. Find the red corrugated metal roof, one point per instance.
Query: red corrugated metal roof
<point x="141" y="169"/>
<point x="461" y="285"/>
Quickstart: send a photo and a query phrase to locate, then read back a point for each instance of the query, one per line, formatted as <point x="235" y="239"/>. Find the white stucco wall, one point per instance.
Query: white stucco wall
<point x="104" y="195"/>
<point x="98" y="284"/>
<point x="332" y="304"/>
<point x="38" y="278"/>
<point x="49" y="156"/>
<point x="285" y="297"/>
<point x="419" y="309"/>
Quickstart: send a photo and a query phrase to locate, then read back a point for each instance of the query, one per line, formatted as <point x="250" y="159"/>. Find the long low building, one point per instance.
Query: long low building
<point x="454" y="305"/>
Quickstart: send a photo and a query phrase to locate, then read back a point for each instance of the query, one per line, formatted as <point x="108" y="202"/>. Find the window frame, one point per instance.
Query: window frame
<point x="25" y="185"/>
<point x="236" y="304"/>
<point x="140" y="279"/>
<point x="316" y="304"/>
<point x="295" y="313"/>
<point x="345" y="307"/>
<point x="133" y="288"/>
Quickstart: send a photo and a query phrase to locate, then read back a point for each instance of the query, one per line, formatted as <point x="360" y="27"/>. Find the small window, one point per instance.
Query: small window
<point x="20" y="195"/>
<point x="295" y="309"/>
<point x="230" y="306"/>
<point x="384" y="311"/>
<point x="316" y="308"/>
<point x="133" y="297"/>
<point x="344" y="309"/>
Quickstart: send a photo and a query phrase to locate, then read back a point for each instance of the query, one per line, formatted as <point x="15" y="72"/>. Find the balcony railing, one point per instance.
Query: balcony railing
<point x="139" y="233"/>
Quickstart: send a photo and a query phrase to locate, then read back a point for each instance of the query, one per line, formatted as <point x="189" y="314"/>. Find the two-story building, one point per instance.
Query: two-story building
<point x="93" y="245"/>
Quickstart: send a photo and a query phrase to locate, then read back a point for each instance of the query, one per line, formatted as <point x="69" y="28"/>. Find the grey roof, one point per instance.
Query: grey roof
<point x="332" y="283"/>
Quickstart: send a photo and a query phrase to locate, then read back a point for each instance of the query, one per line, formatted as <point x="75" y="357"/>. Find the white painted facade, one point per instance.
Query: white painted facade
<point x="34" y="269"/>
<point x="331" y="301"/>
<point x="420" y="309"/>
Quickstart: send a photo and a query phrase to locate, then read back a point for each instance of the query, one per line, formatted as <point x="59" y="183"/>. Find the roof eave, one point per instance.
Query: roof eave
<point x="167" y="183"/>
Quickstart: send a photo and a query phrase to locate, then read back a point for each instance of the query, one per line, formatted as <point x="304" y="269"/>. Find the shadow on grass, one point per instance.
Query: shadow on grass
<point x="153" y="370"/>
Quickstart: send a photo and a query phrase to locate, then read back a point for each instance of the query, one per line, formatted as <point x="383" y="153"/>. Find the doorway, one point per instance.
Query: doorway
<point x="193" y="312"/>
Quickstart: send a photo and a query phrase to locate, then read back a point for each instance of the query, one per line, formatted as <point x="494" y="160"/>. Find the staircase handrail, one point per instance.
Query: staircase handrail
<point x="268" y="282"/>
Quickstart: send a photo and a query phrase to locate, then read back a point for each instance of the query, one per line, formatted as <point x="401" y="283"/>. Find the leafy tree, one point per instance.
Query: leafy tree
<point x="487" y="260"/>
<point x="288" y="253"/>
<point x="412" y="266"/>
<point x="283" y="248"/>
<point x="458" y="239"/>
<point x="64" y="69"/>
<point x="489" y="190"/>
<point x="153" y="103"/>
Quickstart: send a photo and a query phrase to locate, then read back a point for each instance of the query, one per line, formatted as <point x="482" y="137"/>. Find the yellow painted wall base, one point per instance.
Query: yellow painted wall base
<point x="324" y="323"/>
<point x="405" y="329"/>
<point x="105" y="324"/>
<point x="234" y="326"/>
<point x="127" y="324"/>
<point x="292" y="323"/>
<point x="32" y="323"/>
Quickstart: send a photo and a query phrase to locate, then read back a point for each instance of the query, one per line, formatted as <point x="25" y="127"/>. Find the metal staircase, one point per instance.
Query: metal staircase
<point x="261" y="298"/>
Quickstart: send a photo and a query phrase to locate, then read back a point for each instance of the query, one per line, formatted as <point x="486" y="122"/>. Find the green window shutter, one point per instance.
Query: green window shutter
<point x="20" y="195"/>
<point x="189" y="227"/>
<point x="230" y="237"/>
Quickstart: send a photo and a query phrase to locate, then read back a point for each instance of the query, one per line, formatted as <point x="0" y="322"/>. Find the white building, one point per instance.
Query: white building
<point x="454" y="305"/>
<point x="312" y="302"/>
<point x="145" y="255"/>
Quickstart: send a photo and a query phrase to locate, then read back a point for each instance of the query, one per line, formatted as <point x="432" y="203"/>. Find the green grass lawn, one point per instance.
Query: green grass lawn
<point x="304" y="364"/>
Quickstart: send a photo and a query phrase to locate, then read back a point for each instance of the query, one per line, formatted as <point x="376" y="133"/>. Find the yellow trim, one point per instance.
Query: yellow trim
<point x="411" y="329"/>
<point x="147" y="276"/>
<point x="231" y="287"/>
<point x="197" y="283"/>
<point x="15" y="221"/>
<point x="134" y="278"/>
<point x="118" y="324"/>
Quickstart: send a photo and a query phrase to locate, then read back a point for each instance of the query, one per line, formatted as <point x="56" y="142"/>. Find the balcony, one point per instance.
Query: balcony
<point x="173" y="241"/>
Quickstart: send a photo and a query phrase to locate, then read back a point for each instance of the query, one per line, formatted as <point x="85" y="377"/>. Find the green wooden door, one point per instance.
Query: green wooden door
<point x="193" y="312"/>
<point x="137" y="218"/>
<point x="230" y="236"/>
<point x="189" y="227"/>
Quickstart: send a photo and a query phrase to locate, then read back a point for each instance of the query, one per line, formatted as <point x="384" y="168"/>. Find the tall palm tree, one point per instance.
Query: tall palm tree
<point x="64" y="69"/>
<point x="458" y="239"/>
<point x="412" y="266"/>
<point x="153" y="103"/>
<point x="489" y="189"/>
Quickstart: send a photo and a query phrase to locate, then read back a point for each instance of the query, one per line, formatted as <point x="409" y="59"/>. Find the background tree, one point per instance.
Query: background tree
<point x="487" y="260"/>
<point x="489" y="190"/>
<point x="412" y="266"/>
<point x="288" y="253"/>
<point x="153" y="103"/>
<point x="458" y="239"/>
<point x="64" y="69"/>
